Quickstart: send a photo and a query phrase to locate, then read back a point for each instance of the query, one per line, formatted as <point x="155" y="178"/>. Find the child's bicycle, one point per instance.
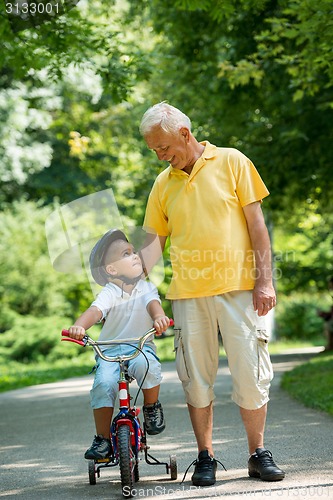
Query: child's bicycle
<point x="128" y="437"/>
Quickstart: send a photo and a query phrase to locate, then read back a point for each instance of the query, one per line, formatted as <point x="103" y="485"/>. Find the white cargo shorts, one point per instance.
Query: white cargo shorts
<point x="245" y="341"/>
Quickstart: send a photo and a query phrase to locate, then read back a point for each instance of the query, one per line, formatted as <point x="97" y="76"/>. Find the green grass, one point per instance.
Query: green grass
<point x="14" y="375"/>
<point x="312" y="382"/>
<point x="280" y="347"/>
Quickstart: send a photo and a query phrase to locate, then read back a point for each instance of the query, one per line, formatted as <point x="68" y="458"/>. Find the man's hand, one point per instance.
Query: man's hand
<point x="264" y="299"/>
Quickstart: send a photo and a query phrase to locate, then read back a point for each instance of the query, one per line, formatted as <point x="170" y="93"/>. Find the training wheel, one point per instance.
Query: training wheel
<point x="173" y="467"/>
<point x="92" y="472"/>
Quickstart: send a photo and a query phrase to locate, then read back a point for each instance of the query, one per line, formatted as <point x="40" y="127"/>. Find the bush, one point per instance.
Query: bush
<point x="33" y="339"/>
<point x="7" y="318"/>
<point x="297" y="318"/>
<point x="28" y="283"/>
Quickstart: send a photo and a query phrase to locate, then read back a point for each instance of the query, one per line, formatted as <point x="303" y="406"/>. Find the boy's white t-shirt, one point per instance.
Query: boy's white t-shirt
<point x="126" y="315"/>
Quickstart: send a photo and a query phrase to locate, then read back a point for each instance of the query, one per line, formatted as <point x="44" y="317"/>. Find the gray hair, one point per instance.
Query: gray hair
<point x="169" y="118"/>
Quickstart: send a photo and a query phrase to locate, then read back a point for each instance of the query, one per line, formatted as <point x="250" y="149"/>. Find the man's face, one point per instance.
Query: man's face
<point x="172" y="148"/>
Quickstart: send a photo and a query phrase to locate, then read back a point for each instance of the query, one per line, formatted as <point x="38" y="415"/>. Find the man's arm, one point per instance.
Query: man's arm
<point x="264" y="298"/>
<point x="152" y="250"/>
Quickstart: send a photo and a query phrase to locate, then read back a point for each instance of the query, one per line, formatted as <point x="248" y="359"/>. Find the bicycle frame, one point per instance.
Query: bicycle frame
<point x="127" y="415"/>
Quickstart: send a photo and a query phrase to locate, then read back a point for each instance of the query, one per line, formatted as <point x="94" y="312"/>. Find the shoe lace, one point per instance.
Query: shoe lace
<point x="266" y="459"/>
<point x="203" y="464"/>
<point x="154" y="413"/>
<point x="97" y="441"/>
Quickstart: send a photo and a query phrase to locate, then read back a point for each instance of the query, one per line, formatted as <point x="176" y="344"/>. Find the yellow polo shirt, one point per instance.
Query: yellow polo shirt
<point x="210" y="248"/>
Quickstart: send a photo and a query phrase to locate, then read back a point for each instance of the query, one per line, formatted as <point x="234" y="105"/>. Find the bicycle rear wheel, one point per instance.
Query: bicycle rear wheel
<point x="127" y="460"/>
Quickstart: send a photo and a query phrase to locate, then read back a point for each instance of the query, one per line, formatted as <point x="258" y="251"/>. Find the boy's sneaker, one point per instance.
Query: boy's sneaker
<point x="154" y="418"/>
<point x="100" y="448"/>
<point x="262" y="465"/>
<point x="205" y="470"/>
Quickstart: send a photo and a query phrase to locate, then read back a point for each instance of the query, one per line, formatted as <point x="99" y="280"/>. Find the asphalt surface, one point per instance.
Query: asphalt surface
<point x="45" y="430"/>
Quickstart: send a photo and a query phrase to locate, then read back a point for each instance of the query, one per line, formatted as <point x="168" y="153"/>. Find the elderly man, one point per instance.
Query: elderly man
<point x="208" y="201"/>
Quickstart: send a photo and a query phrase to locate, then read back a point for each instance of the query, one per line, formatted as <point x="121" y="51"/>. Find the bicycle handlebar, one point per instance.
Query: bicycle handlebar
<point x="95" y="344"/>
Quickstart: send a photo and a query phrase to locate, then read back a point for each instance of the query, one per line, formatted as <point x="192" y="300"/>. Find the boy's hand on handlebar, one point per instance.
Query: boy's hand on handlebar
<point x="76" y="332"/>
<point x="161" y="324"/>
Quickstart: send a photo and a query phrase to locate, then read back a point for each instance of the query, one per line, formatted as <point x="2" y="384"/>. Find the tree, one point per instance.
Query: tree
<point x="84" y="55"/>
<point x="252" y="75"/>
<point x="90" y="36"/>
<point x="22" y="148"/>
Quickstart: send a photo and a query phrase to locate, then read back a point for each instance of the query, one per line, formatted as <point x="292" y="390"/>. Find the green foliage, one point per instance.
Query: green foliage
<point x="31" y="339"/>
<point x="296" y="35"/>
<point x="7" y="318"/>
<point x="28" y="283"/>
<point x="311" y="383"/>
<point x="200" y="55"/>
<point x="37" y="340"/>
<point x="88" y="35"/>
<point x="165" y="348"/>
<point x="300" y="40"/>
<point x="58" y="78"/>
<point x="297" y="318"/>
<point x="191" y="53"/>
<point x="21" y="135"/>
<point x="303" y="250"/>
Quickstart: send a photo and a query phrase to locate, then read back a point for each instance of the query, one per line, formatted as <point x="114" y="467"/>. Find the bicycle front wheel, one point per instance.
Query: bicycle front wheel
<point x="127" y="460"/>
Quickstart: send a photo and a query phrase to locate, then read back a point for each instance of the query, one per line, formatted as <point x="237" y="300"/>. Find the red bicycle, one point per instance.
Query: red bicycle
<point x="128" y="437"/>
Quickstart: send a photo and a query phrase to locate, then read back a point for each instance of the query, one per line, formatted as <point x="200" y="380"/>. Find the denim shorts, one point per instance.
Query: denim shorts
<point x="104" y="391"/>
<point x="245" y="340"/>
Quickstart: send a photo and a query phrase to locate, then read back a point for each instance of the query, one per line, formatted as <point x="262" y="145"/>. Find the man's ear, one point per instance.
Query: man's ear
<point x="184" y="131"/>
<point x="110" y="269"/>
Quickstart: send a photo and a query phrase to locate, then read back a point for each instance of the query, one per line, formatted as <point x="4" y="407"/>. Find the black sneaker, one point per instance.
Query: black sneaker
<point x="100" y="448"/>
<point x="262" y="465"/>
<point x="205" y="470"/>
<point x="154" y="418"/>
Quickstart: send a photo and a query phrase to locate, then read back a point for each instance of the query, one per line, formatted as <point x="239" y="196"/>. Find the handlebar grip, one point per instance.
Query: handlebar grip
<point x="65" y="333"/>
<point x="67" y="339"/>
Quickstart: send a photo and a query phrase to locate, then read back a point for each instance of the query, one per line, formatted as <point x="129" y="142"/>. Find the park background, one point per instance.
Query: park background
<point x="256" y="75"/>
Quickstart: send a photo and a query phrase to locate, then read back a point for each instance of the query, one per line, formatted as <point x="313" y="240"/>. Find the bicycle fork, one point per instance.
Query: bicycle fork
<point x="126" y="415"/>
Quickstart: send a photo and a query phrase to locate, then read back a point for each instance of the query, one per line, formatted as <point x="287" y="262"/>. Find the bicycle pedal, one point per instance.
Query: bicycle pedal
<point x="103" y="460"/>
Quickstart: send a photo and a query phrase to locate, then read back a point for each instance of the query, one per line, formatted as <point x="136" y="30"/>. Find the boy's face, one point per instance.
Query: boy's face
<point x="121" y="260"/>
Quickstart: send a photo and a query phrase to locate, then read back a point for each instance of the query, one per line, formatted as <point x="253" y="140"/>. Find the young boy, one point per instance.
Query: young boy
<point x="129" y="306"/>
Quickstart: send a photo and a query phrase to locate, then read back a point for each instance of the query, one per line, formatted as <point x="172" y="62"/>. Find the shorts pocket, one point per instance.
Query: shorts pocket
<point x="265" y="369"/>
<point x="181" y="366"/>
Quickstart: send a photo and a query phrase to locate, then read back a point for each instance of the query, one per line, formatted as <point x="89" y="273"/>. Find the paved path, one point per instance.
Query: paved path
<point x="45" y="430"/>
